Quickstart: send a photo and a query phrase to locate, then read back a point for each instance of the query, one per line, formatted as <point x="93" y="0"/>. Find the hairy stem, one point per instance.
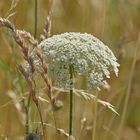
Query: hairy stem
<point x="71" y="101"/>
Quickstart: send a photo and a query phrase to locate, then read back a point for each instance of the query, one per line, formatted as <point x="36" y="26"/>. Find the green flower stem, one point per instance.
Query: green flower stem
<point x="71" y="101"/>
<point x="35" y="18"/>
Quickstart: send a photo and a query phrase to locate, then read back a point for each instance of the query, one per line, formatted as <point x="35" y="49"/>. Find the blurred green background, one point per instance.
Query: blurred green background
<point x="117" y="24"/>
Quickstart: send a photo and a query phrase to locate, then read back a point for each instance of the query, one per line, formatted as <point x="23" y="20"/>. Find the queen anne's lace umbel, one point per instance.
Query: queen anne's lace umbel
<point x="84" y="52"/>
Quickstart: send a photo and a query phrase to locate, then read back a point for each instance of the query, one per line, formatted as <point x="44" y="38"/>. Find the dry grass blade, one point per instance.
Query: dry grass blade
<point x="11" y="102"/>
<point x="10" y="15"/>
<point x="42" y="99"/>
<point x="88" y="96"/>
<point x="13" y="5"/>
<point x="59" y="130"/>
<point x="18" y="105"/>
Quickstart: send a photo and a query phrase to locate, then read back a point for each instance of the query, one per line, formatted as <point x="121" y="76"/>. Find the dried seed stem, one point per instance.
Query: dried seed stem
<point x="18" y="36"/>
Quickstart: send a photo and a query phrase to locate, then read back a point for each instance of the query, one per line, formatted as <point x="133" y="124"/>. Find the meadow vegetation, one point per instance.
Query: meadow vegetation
<point x="27" y="109"/>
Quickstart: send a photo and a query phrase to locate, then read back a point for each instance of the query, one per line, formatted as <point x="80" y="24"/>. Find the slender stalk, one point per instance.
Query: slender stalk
<point x="95" y="118"/>
<point x="104" y="17"/>
<point x="35" y="100"/>
<point x="41" y="119"/>
<point x="71" y="101"/>
<point x="35" y="18"/>
<point x="27" y="116"/>
<point x="27" y="107"/>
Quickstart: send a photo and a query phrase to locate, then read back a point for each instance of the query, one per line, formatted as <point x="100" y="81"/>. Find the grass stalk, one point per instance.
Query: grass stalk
<point x="35" y="18"/>
<point x="41" y="119"/>
<point x="104" y="17"/>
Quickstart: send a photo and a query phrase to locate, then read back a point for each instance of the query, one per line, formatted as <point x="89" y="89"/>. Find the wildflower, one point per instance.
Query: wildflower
<point x="86" y="54"/>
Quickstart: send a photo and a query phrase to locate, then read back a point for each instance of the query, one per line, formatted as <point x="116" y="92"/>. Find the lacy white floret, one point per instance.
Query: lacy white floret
<point x="84" y="52"/>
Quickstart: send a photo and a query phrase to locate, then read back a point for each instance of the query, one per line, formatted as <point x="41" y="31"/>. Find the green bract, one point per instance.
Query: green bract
<point x="84" y="52"/>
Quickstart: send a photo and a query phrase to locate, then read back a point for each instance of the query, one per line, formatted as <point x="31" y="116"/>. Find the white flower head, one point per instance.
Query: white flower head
<point x="84" y="52"/>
